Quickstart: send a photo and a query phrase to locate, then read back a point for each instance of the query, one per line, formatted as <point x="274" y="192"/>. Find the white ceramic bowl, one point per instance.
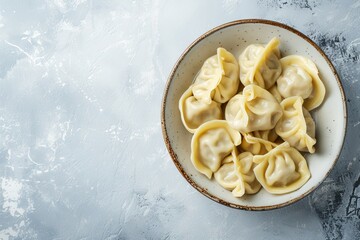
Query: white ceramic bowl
<point x="330" y="117"/>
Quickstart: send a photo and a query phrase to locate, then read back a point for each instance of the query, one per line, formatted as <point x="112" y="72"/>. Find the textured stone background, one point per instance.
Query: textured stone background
<point x="81" y="149"/>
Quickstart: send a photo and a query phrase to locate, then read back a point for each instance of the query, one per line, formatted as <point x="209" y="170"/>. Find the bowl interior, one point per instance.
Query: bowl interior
<point x="330" y="117"/>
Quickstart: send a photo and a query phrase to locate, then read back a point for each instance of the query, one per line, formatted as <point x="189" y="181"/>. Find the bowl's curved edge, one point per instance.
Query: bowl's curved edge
<point x="173" y="154"/>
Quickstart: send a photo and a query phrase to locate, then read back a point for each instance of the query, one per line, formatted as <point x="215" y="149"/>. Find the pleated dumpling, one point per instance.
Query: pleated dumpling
<point x="194" y="113"/>
<point x="247" y="60"/>
<point x="296" y="125"/>
<point x="259" y="142"/>
<point x="211" y="143"/>
<point x="282" y="170"/>
<point x="236" y="174"/>
<point x="260" y="64"/>
<point x="255" y="109"/>
<point x="300" y="77"/>
<point x="218" y="78"/>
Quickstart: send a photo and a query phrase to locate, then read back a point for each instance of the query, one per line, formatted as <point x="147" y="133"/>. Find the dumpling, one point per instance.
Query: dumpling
<point x="255" y="109"/>
<point x="218" y="78"/>
<point x="260" y="64"/>
<point x="211" y="143"/>
<point x="294" y="81"/>
<point x="236" y="174"/>
<point x="259" y="142"/>
<point x="248" y="59"/>
<point x="300" y="77"/>
<point x="296" y="125"/>
<point x="282" y="170"/>
<point x="194" y="113"/>
<point x="226" y="175"/>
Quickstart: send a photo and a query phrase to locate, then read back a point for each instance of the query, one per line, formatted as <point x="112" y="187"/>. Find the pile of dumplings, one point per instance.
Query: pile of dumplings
<point x="250" y="119"/>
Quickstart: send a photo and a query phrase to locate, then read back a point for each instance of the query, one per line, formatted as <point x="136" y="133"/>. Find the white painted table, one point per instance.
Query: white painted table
<point x="81" y="149"/>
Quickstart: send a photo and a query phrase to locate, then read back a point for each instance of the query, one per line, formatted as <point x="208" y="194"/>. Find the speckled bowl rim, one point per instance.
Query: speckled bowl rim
<point x="163" y="109"/>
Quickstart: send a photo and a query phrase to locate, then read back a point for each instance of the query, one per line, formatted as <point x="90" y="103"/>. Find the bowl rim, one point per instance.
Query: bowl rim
<point x="163" y="107"/>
